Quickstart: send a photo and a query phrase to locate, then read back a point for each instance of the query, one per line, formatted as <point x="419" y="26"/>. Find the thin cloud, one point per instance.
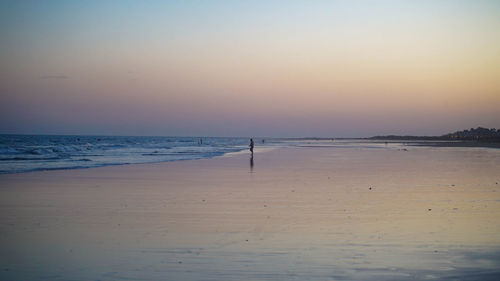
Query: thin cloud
<point x="54" y="77"/>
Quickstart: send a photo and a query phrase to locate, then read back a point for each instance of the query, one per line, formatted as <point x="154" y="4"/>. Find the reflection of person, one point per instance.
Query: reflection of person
<point x="251" y="163"/>
<point x="251" y="145"/>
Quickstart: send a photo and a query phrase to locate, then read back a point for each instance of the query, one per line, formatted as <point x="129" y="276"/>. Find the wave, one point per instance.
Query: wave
<point x="29" y="158"/>
<point x="20" y="153"/>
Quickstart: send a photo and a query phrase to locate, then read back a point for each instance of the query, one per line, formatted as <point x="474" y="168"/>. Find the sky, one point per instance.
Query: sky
<point x="249" y="68"/>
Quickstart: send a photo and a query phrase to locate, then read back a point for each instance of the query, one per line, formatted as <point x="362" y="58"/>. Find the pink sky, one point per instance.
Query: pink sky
<point x="334" y="68"/>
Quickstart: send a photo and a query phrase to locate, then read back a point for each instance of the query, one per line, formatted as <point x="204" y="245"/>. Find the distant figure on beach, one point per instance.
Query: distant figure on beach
<point x="251" y="156"/>
<point x="201" y="141"/>
<point x="251" y="146"/>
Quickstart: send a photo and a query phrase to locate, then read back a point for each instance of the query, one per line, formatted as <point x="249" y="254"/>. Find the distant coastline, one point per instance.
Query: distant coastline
<point x="478" y="137"/>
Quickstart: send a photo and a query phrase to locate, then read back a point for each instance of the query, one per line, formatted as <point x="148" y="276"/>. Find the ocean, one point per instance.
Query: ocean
<point x="23" y="153"/>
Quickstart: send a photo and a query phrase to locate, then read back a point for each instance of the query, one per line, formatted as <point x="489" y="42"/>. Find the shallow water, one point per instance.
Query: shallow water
<point x="23" y="153"/>
<point x="329" y="213"/>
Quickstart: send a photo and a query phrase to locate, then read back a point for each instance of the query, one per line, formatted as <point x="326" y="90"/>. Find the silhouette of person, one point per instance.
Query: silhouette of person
<point x="251" y="146"/>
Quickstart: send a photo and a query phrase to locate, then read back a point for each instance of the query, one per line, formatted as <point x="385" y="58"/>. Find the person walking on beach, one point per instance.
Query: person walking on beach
<point x="251" y="146"/>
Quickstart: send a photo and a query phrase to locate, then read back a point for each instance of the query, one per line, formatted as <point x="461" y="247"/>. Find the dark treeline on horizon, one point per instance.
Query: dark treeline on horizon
<point x="477" y="134"/>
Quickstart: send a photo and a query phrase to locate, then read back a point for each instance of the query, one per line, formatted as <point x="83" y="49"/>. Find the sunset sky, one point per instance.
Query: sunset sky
<point x="249" y="68"/>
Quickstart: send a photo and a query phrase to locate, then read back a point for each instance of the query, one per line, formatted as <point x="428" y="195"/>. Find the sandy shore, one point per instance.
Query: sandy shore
<point x="294" y="214"/>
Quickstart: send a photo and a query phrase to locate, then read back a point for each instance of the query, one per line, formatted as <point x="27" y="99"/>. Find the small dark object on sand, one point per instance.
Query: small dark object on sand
<point x="370" y="188"/>
<point x="180" y="262"/>
<point x="452" y="185"/>
<point x="429" y="209"/>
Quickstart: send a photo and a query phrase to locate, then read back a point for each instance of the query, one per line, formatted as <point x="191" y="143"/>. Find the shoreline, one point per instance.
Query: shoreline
<point x="409" y="142"/>
<point x="229" y="154"/>
<point x="116" y="165"/>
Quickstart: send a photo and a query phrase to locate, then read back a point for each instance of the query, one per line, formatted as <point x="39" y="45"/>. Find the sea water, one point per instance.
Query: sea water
<point x="22" y="153"/>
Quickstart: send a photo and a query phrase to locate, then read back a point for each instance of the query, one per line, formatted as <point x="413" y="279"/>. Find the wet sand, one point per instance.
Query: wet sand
<point x="295" y="214"/>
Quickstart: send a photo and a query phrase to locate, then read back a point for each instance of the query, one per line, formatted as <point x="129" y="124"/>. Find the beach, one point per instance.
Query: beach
<point x="293" y="213"/>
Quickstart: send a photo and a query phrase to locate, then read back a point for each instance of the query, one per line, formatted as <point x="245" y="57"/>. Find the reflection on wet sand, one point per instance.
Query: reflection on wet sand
<point x="308" y="214"/>
<point x="251" y="163"/>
